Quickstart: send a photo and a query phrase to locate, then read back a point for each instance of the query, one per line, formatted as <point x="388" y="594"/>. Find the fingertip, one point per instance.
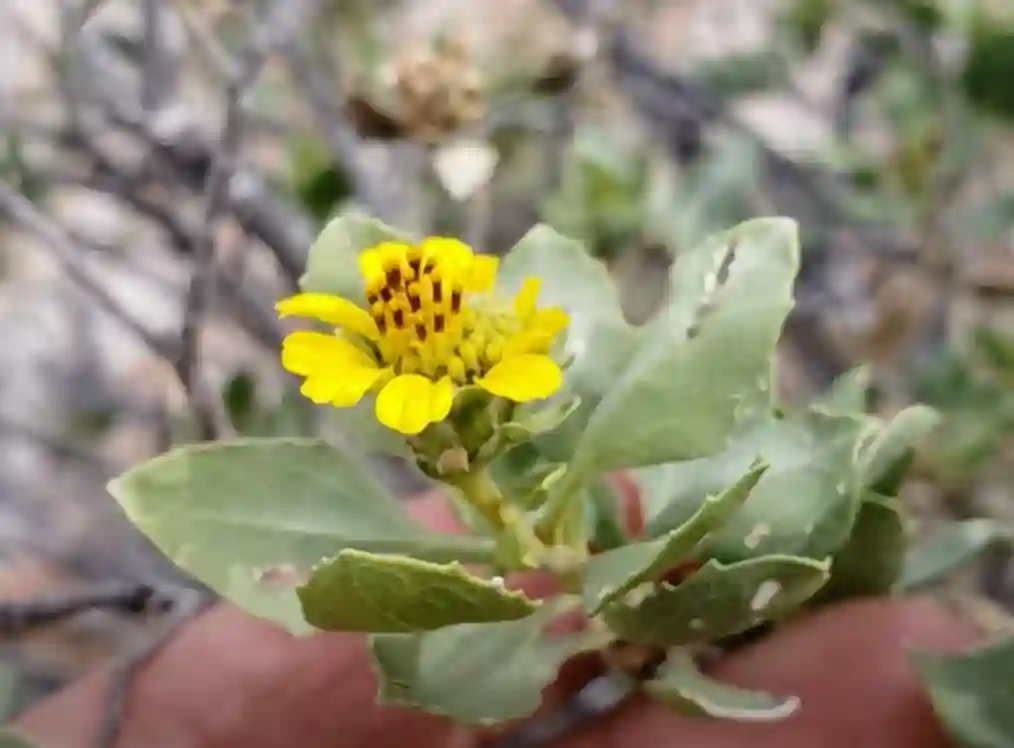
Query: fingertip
<point x="628" y="496"/>
<point x="433" y="510"/>
<point x="849" y="667"/>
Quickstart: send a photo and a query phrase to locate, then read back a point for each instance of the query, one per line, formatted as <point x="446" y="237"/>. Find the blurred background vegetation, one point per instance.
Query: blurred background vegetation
<point x="885" y="127"/>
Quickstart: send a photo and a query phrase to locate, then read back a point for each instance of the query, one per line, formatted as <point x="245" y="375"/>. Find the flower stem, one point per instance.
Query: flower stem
<point x="481" y="491"/>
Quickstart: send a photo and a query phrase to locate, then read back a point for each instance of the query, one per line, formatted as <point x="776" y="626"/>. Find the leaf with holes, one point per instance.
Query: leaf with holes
<point x="804" y="505"/>
<point x="250" y="518"/>
<point x="609" y="575"/>
<point x="718" y="601"/>
<point x="332" y="265"/>
<point x="971" y="692"/>
<point x="951" y="546"/>
<point x="705" y="364"/>
<point x="681" y="686"/>
<point x="476" y="673"/>
<point x="598" y="339"/>
<point x="871" y="561"/>
<point x="358" y="591"/>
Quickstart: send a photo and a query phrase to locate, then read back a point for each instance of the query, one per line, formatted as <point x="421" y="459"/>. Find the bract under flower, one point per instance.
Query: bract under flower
<point x="432" y="324"/>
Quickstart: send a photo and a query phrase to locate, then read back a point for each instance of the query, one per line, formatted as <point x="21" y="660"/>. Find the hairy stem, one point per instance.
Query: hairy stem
<point x="481" y="492"/>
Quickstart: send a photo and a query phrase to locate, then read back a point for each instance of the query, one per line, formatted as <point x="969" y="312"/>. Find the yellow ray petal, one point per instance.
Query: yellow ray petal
<point x="442" y="395"/>
<point x="482" y="273"/>
<point x="371" y="267"/>
<point x="550" y="320"/>
<point x="342" y="390"/>
<point x="333" y="310"/>
<point x="522" y="378"/>
<point x="451" y="252"/>
<point x="376" y="261"/>
<point x="410" y="402"/>
<point x="527" y="341"/>
<point x="314" y="353"/>
<point x="524" y="301"/>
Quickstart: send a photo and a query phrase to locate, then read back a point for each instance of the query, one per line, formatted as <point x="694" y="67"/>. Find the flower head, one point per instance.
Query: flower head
<point x="431" y="325"/>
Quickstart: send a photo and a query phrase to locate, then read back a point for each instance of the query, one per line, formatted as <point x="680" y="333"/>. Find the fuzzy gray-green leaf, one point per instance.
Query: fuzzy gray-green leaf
<point x="718" y="601"/>
<point x="475" y="673"/>
<point x="848" y="393"/>
<point x="872" y="559"/>
<point x="598" y="338"/>
<point x="949" y="547"/>
<point x="232" y="514"/>
<point x="332" y="265"/>
<point x="357" y="591"/>
<point x="894" y="442"/>
<point x="804" y="505"/>
<point x="611" y="574"/>
<point x="681" y="686"/>
<point x="971" y="693"/>
<point x="705" y="364"/>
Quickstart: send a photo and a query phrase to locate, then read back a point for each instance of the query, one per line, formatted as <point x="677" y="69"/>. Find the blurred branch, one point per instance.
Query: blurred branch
<point x="341" y="138"/>
<point x="127" y="185"/>
<point x="161" y="65"/>
<point x="805" y="192"/>
<point x="62" y="247"/>
<point x="271" y="32"/>
<point x="21" y="617"/>
<point x="259" y="211"/>
<point x="16" y="429"/>
<point x="809" y="193"/>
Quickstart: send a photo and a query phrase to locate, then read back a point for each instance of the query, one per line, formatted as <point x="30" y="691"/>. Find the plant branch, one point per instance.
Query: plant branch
<point x="276" y="25"/>
<point x="20" y="617"/>
<point x="63" y="248"/>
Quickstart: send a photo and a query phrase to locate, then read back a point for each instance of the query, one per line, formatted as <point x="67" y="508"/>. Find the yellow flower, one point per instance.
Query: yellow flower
<point x="431" y="326"/>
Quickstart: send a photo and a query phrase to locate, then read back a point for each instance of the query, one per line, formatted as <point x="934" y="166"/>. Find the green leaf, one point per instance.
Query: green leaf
<point x="357" y="591"/>
<point x="806" y="20"/>
<point x="951" y="546"/>
<point x="849" y="393"/>
<point x="233" y="513"/>
<point x="318" y="182"/>
<point x="682" y="687"/>
<point x="804" y="505"/>
<point x="475" y="673"/>
<point x="332" y="265"/>
<point x="614" y="573"/>
<point x="718" y="601"/>
<point x="240" y="396"/>
<point x="359" y="427"/>
<point x="986" y="77"/>
<point x="705" y="364"/>
<point x="997" y="349"/>
<point x="12" y="739"/>
<point x="872" y="559"/>
<point x="598" y="338"/>
<point x="971" y="693"/>
<point x="893" y="445"/>
<point x="531" y="421"/>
